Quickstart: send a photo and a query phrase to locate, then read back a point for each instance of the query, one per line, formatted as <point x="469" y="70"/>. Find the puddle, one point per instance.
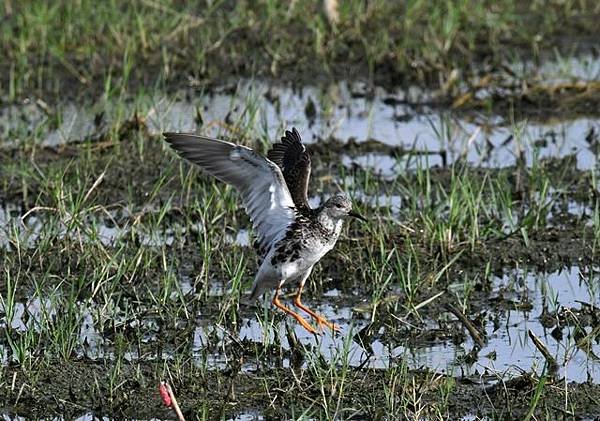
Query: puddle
<point x="391" y="202"/>
<point x="385" y="166"/>
<point x="112" y="227"/>
<point x="242" y="238"/>
<point x="562" y="211"/>
<point x="108" y="227"/>
<point x="343" y="111"/>
<point x="585" y="67"/>
<point x="510" y="348"/>
<point x="14" y="230"/>
<point x="555" y="307"/>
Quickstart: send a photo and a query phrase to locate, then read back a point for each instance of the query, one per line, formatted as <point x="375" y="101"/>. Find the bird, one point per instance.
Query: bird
<point x="291" y="235"/>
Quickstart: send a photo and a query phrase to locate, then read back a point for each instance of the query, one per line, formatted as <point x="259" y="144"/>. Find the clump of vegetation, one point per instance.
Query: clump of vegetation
<point x="52" y="47"/>
<point x="120" y="265"/>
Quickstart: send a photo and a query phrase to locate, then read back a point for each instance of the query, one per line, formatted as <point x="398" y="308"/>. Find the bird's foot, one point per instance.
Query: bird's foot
<point x="295" y="315"/>
<point x="307" y="325"/>
<point x="323" y="321"/>
<point x="318" y="318"/>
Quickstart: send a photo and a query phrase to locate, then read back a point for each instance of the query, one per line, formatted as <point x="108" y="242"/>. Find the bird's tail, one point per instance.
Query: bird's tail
<point x="255" y="292"/>
<point x="249" y="300"/>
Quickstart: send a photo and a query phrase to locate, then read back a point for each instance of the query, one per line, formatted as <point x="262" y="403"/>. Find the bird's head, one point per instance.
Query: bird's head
<point x="340" y="207"/>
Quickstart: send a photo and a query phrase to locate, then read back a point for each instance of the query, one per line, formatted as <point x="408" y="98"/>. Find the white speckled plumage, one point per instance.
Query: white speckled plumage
<point x="292" y="237"/>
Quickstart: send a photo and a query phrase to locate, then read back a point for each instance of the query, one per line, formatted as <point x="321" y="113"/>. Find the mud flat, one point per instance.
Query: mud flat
<point x="473" y="290"/>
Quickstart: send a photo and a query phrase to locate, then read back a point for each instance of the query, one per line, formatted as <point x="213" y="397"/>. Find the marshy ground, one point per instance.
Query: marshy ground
<point x="467" y="132"/>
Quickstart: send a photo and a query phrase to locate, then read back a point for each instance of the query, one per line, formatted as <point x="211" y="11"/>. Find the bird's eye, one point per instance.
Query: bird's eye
<point x="338" y="205"/>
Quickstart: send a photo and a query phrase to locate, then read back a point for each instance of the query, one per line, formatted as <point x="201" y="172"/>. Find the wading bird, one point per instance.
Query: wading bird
<point x="291" y="236"/>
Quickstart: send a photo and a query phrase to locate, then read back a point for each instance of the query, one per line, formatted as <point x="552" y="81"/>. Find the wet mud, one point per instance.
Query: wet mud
<point x="67" y="390"/>
<point x="453" y="329"/>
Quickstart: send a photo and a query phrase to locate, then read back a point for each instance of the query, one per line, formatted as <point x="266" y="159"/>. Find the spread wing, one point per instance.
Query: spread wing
<point x="293" y="159"/>
<point x="259" y="181"/>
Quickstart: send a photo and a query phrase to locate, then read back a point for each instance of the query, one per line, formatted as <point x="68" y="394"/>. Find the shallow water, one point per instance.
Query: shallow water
<point x="407" y="133"/>
<point x="19" y="229"/>
<point x="426" y="136"/>
<point x="585" y="67"/>
<point x="508" y="352"/>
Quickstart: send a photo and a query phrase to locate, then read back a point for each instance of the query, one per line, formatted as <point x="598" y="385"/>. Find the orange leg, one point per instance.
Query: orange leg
<point x="320" y="319"/>
<point x="292" y="313"/>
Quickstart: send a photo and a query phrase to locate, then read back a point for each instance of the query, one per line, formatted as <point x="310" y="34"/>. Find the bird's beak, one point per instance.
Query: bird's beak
<point x="357" y="216"/>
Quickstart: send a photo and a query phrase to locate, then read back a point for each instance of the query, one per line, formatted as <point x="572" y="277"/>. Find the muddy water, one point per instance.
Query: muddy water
<point x="109" y="227"/>
<point x="557" y="307"/>
<point x="509" y="350"/>
<point x="26" y="230"/>
<point x="563" y="70"/>
<point x="343" y="111"/>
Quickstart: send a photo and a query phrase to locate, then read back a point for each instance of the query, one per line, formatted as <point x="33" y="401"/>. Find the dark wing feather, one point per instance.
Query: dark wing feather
<point x="291" y="156"/>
